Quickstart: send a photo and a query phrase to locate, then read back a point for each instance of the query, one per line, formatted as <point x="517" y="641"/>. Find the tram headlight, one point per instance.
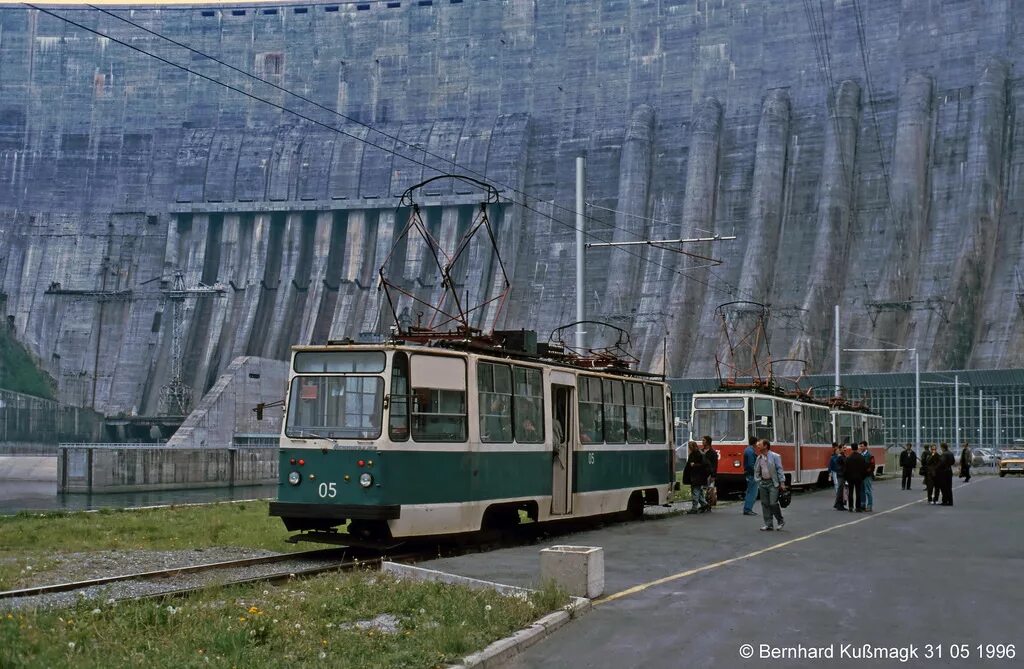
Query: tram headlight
<point x="294" y="478"/>
<point x="366" y="479"/>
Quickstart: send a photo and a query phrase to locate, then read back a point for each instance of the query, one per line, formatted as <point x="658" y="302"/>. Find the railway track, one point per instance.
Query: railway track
<point x="178" y="581"/>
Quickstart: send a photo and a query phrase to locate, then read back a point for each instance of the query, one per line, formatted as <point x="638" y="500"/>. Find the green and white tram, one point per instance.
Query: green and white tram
<point x="402" y="440"/>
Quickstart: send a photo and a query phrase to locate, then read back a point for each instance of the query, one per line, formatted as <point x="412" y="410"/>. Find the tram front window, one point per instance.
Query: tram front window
<point x="335" y="407"/>
<point x="720" y="424"/>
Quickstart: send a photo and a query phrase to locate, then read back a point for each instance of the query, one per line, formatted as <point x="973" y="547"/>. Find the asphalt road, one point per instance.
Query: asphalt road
<point x="911" y="578"/>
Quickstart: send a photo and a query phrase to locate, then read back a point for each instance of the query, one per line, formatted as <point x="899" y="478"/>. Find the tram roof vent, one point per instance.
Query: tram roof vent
<point x="524" y="341"/>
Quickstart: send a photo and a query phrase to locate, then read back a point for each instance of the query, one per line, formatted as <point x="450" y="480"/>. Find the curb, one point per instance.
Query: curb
<point x="502" y="650"/>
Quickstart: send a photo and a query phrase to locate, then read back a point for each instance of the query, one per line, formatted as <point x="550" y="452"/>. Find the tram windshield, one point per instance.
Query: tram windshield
<point x="335" y="407"/>
<point x="720" y="424"/>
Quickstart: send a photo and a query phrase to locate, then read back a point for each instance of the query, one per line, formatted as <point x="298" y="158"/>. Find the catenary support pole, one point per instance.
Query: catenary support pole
<point x="917" y="401"/>
<point x="835" y="311"/>
<point x="956" y="405"/>
<point x="580" y="183"/>
<point x="981" y="419"/>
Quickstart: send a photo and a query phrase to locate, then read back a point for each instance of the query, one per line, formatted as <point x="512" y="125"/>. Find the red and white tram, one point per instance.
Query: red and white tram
<point x="799" y="430"/>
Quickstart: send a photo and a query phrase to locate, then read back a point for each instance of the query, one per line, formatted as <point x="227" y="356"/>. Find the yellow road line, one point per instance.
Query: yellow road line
<point x="715" y="565"/>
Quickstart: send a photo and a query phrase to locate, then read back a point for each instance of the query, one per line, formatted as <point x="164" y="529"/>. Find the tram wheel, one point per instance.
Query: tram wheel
<point x="635" y="507"/>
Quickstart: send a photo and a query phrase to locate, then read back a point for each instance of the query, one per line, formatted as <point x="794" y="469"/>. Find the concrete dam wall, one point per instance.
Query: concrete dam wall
<point x="864" y="154"/>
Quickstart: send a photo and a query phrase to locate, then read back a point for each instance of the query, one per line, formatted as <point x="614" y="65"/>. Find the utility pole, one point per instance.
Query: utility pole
<point x="956" y="404"/>
<point x="580" y="222"/>
<point x="917" y="387"/>
<point x="956" y="399"/>
<point x="981" y="418"/>
<point x="176" y="395"/>
<point x="835" y="311"/>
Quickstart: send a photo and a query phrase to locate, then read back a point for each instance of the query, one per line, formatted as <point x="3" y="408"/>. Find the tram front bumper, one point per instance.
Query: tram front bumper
<point x="341" y="511"/>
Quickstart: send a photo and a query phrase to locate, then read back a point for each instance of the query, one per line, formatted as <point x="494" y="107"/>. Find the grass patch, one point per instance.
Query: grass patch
<point x="18" y="371"/>
<point x="365" y="620"/>
<point x="683" y="494"/>
<point x="29" y="539"/>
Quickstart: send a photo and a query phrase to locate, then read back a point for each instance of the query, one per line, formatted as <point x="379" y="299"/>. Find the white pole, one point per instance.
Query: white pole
<point x="835" y="311"/>
<point x="917" y="401"/>
<point x="580" y="184"/>
<point x="956" y="405"/>
<point x="995" y="444"/>
<point x="981" y="419"/>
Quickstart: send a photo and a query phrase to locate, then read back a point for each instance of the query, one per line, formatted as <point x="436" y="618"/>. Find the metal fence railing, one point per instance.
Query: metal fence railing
<point x="24" y="418"/>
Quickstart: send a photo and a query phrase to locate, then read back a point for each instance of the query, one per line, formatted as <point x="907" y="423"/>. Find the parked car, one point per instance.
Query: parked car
<point x="985" y="457"/>
<point x="1012" y="462"/>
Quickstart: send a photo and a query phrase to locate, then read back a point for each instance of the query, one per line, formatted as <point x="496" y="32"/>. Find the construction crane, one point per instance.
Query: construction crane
<point x="176" y="395"/>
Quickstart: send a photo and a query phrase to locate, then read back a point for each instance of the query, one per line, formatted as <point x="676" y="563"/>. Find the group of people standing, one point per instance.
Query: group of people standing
<point x="765" y="479"/>
<point x="699" y="474"/>
<point x="937" y="470"/>
<point x="938" y="474"/>
<point x="852" y="472"/>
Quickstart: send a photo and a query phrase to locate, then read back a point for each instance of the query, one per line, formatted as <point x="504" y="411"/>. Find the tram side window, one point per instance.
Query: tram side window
<point x="821" y="429"/>
<point x="590" y="410"/>
<point x="785" y="424"/>
<point x="438" y="415"/>
<point x="847" y="431"/>
<point x="635" y="428"/>
<point x="876" y="432"/>
<point x="655" y="415"/>
<point x="398" y="422"/>
<point x="764" y="419"/>
<point x="529" y="405"/>
<point x="494" y="385"/>
<point x="614" y="412"/>
<point x="439" y="398"/>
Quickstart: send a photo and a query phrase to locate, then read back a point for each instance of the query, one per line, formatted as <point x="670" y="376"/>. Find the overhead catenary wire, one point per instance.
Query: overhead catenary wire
<point x="725" y="286"/>
<point x="332" y="128"/>
<point x="730" y="288"/>
<point x="649" y="219"/>
<point x="418" y="149"/>
<point x="862" y="42"/>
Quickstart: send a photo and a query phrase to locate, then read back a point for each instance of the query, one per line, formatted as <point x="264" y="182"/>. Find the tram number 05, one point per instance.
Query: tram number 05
<point x="327" y="490"/>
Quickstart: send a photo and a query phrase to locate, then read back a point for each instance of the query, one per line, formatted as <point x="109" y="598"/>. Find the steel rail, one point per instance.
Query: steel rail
<point x="321" y="553"/>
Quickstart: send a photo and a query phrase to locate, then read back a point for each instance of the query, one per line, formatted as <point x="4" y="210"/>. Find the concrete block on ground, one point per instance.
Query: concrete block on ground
<point x="577" y="569"/>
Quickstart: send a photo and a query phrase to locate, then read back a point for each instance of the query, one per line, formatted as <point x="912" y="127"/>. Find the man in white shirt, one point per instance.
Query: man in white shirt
<point x="771" y="478"/>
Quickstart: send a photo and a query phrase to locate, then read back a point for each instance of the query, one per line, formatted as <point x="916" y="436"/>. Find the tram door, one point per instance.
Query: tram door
<point x="562" y="423"/>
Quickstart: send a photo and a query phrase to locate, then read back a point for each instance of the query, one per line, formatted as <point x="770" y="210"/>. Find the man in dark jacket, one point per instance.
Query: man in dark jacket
<point x="908" y="462"/>
<point x="837" y="465"/>
<point x="931" y="474"/>
<point x="946" y="464"/>
<point x="856" y="469"/>
<point x="869" y="477"/>
<point x="966" y="458"/>
<point x="696" y="473"/>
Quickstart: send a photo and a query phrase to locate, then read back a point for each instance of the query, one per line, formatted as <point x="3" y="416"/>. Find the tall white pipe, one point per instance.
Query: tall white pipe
<point x="917" y="401"/>
<point x="835" y="311"/>
<point x="580" y="182"/>
<point x="981" y="419"/>
<point x="995" y="442"/>
<point x="956" y="405"/>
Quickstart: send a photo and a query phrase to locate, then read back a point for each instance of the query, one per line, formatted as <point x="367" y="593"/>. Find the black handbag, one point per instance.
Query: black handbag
<point x="785" y="497"/>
